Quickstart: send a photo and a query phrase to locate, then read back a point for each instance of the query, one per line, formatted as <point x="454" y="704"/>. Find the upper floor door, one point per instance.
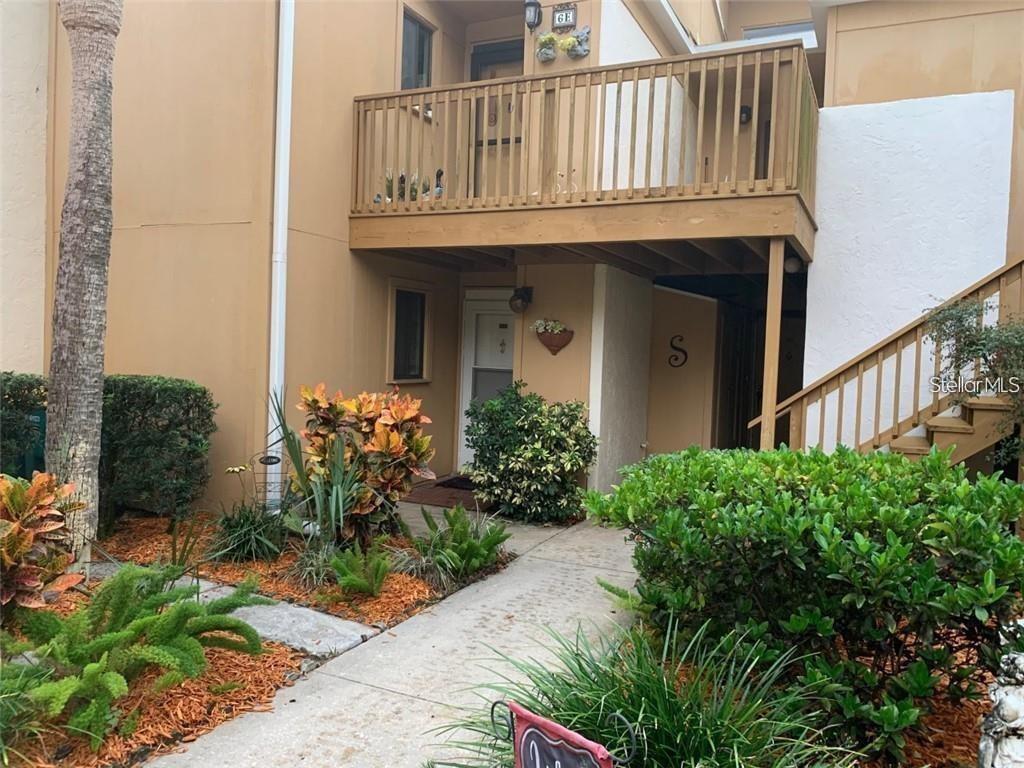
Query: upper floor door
<point x="498" y="130"/>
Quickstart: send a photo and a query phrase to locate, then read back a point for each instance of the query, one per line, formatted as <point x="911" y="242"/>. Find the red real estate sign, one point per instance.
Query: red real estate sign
<point x="541" y="743"/>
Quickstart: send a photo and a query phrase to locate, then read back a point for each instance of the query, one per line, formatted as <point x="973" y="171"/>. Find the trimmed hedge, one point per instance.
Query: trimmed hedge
<point x="155" y="440"/>
<point x="900" y="580"/>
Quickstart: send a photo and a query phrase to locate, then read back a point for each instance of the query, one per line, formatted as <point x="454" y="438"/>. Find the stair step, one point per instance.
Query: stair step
<point x="949" y="424"/>
<point x="988" y="403"/>
<point x="911" y="445"/>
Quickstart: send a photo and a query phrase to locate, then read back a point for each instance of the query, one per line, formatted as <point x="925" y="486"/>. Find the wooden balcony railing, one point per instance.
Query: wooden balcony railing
<point x="887" y="390"/>
<point x="722" y="124"/>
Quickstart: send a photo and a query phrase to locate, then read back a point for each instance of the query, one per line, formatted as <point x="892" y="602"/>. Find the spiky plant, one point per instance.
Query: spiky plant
<point x="453" y="550"/>
<point x="708" y="703"/>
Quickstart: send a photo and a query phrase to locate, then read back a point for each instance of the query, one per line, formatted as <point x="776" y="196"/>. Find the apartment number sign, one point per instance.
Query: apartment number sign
<point x="563" y="17"/>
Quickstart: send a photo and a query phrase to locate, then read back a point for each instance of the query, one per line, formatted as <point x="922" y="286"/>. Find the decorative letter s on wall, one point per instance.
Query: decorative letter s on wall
<point x="679" y="354"/>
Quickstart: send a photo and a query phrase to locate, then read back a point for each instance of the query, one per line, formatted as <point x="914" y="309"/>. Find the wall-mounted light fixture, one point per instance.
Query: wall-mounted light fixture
<point x="521" y="298"/>
<point x="745" y="114"/>
<point x="534" y="14"/>
<point x="793" y="265"/>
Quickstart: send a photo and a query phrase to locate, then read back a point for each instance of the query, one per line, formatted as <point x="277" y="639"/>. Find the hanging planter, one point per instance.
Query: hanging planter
<point x="552" y="334"/>
<point x="576" y="45"/>
<point x="546" y="50"/>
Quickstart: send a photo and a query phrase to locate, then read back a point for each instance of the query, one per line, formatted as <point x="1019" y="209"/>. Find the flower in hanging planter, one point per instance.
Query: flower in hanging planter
<point x="546" y="50"/>
<point x="576" y="45"/>
<point x="549" y="326"/>
<point x="552" y="334"/>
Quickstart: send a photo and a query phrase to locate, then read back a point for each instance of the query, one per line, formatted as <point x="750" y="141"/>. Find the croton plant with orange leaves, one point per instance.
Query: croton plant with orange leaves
<point x="34" y="540"/>
<point x="384" y="441"/>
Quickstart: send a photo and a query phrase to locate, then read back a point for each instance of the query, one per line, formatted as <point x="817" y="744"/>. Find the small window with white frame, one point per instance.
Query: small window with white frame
<point x="409" y="321"/>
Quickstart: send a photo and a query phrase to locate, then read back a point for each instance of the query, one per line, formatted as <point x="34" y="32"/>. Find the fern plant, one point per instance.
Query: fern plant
<point x="362" y="572"/>
<point x="132" y="623"/>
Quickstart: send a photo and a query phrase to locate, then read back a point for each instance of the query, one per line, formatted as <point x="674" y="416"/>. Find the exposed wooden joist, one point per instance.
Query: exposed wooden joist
<point x="680" y="261"/>
<point x="637" y="254"/>
<point x="607" y="257"/>
<point x="756" y="246"/>
<point x="544" y="254"/>
<point x="723" y="253"/>
<point x="429" y="258"/>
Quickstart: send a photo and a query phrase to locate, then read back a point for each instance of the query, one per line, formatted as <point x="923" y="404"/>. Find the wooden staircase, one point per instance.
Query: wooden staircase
<point x="883" y="398"/>
<point x="982" y="422"/>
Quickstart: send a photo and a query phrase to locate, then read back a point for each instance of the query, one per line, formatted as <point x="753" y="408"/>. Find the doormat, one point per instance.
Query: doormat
<point x="459" y="482"/>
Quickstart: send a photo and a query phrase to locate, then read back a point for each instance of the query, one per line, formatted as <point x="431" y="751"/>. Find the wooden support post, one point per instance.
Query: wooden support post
<point x="772" y="332"/>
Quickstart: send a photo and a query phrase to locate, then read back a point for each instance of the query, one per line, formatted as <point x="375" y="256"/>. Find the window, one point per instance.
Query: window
<point x="409" y="333"/>
<point x="417" y="39"/>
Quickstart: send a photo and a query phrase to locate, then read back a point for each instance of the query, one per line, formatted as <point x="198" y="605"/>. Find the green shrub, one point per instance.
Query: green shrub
<point x="362" y="572"/>
<point x="155" y="440"/>
<point x="529" y="454"/>
<point x="132" y="623"/>
<point x="708" y="707"/>
<point x="249" y="532"/>
<point x="20" y="395"/>
<point x="902" y="578"/>
<point x="156" y="437"/>
<point x="455" y="550"/>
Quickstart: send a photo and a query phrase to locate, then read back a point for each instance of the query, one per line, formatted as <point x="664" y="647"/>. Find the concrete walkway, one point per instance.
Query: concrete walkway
<point x="373" y="705"/>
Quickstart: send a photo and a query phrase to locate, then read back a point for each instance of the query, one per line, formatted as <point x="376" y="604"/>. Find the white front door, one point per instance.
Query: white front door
<point x="487" y="348"/>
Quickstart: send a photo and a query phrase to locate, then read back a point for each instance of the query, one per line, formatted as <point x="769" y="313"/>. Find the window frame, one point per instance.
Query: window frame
<point x="396" y="284"/>
<point x="408" y="13"/>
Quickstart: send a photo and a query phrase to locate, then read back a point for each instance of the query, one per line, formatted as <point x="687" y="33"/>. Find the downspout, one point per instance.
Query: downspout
<point x="279" y="236"/>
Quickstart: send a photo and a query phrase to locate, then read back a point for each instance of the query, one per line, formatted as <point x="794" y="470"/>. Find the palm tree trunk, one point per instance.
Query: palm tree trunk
<point x="75" y="400"/>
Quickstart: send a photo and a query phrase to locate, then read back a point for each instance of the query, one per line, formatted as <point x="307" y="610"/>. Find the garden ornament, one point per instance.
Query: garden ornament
<point x="1002" y="730"/>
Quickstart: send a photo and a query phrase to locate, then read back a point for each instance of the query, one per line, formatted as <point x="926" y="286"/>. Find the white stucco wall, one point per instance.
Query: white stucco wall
<point x="24" y="40"/>
<point x="912" y="203"/>
<point x="619" y="370"/>
<point x="630" y="43"/>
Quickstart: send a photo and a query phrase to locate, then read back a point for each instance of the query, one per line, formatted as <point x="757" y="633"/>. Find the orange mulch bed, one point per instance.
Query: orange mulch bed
<point x="233" y="683"/>
<point x="949" y="735"/>
<point x="146" y="539"/>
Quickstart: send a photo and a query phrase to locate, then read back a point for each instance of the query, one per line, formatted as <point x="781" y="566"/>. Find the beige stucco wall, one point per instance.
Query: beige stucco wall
<point x="743" y="14"/>
<point x="24" y="64"/>
<point x="562" y="292"/>
<point x="193" y="135"/>
<point x="681" y="405"/>
<point x="884" y="51"/>
<point x="337" y="300"/>
<point x="701" y="19"/>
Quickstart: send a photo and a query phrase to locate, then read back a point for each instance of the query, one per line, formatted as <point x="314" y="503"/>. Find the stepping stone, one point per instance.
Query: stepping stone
<point x="312" y="632"/>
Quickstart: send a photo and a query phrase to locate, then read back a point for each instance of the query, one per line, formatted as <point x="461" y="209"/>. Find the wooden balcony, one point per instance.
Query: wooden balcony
<point x="694" y="148"/>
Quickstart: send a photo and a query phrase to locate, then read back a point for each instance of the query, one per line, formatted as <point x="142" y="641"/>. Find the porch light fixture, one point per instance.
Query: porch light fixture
<point x="792" y="265"/>
<point x="533" y="14"/>
<point x="521" y="298"/>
